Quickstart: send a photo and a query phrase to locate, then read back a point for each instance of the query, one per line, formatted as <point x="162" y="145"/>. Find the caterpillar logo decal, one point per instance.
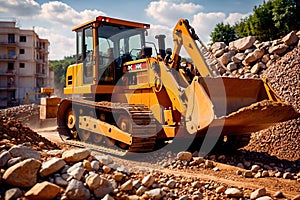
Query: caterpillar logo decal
<point x="137" y="66"/>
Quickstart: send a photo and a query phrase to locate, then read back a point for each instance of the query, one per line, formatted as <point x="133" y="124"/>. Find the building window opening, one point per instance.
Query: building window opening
<point x="11" y="38"/>
<point x="22" y="38"/>
<point x="22" y="65"/>
<point x="10" y="67"/>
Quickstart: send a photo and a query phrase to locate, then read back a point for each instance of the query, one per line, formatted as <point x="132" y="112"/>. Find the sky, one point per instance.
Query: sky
<point x="54" y="20"/>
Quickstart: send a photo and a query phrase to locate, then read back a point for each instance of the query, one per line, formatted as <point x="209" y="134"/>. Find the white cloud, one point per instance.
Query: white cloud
<point x="60" y="45"/>
<point x="53" y="20"/>
<point x="169" y="12"/>
<point x="57" y="12"/>
<point x="62" y="18"/>
<point x="19" y="7"/>
<point x="235" y="17"/>
<point x="204" y="23"/>
<point x="87" y="15"/>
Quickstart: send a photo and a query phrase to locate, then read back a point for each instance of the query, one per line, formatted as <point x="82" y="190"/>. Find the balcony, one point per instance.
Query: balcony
<point x="42" y="50"/>
<point x="9" y="72"/>
<point x="41" y="75"/>
<point x="8" y="58"/>
<point x="8" y="87"/>
<point x="8" y="44"/>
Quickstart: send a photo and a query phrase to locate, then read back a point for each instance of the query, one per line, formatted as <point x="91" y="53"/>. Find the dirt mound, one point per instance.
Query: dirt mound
<point x="282" y="140"/>
<point x="23" y="113"/>
<point x="12" y="132"/>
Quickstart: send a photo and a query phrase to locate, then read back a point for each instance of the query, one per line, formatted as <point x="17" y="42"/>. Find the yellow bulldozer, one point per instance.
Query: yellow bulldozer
<point x="127" y="95"/>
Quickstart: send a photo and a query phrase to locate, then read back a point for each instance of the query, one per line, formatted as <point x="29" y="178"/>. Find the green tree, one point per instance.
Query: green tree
<point x="60" y="67"/>
<point x="285" y="16"/>
<point x="273" y="19"/>
<point x="261" y="23"/>
<point x="243" y="28"/>
<point x="223" y="33"/>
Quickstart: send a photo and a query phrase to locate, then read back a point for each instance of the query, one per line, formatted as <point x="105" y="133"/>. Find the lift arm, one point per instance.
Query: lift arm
<point x="184" y="35"/>
<point x="190" y="99"/>
<point x="47" y="91"/>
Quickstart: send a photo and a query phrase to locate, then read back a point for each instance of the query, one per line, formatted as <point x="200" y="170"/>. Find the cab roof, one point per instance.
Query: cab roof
<point x="114" y="21"/>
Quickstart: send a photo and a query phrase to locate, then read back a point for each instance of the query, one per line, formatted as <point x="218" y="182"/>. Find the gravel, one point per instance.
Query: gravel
<point x="282" y="140"/>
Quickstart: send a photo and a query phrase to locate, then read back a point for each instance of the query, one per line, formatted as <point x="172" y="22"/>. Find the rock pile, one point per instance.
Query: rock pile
<point x="284" y="76"/>
<point x="283" y="139"/>
<point x="247" y="58"/>
<point x="77" y="174"/>
<point x="279" y="62"/>
<point x="23" y="113"/>
<point x="12" y="132"/>
<point x="253" y="165"/>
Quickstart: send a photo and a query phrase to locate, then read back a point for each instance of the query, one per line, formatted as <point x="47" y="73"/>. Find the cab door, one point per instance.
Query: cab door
<point x="85" y="53"/>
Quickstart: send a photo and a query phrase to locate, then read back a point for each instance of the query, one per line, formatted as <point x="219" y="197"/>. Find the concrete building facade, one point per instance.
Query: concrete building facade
<point x="24" y="65"/>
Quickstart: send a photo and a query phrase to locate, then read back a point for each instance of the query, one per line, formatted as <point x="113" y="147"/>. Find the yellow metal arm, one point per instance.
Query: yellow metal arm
<point x="47" y="91"/>
<point x="184" y="35"/>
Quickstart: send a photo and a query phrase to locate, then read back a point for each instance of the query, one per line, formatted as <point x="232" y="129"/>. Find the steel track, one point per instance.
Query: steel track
<point x="143" y="126"/>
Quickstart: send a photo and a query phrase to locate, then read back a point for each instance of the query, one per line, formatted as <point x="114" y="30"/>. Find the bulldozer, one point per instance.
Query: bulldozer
<point x="127" y="95"/>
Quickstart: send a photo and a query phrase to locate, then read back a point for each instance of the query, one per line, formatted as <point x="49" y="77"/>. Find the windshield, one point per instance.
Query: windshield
<point x="120" y="41"/>
<point x="117" y="45"/>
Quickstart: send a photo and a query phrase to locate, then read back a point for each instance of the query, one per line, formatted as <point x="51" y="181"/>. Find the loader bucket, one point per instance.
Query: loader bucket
<point x="243" y="106"/>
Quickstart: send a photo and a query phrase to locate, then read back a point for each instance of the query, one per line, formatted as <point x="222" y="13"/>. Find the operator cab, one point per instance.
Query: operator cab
<point x="104" y="45"/>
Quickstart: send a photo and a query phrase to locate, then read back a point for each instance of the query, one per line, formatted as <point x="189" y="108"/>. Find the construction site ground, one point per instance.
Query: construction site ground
<point x="274" y="151"/>
<point x="226" y="168"/>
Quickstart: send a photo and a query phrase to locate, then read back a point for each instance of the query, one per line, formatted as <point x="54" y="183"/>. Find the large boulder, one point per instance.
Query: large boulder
<point x="254" y="56"/>
<point x="258" y="193"/>
<point x="100" y="186"/>
<point x="278" y="49"/>
<point x="75" y="155"/>
<point x="217" y="46"/>
<point x="155" y="194"/>
<point x="76" y="171"/>
<point x="255" y="69"/>
<point x="234" y="193"/>
<point x="22" y="174"/>
<point x="44" y="190"/>
<point x="77" y="191"/>
<point x="93" y="181"/>
<point x="290" y="38"/>
<point x="51" y="166"/>
<point x="184" y="156"/>
<point x="13" y="193"/>
<point x="225" y="58"/>
<point x="24" y="152"/>
<point x="105" y="188"/>
<point x="238" y="58"/>
<point x="242" y="43"/>
<point x="148" y="180"/>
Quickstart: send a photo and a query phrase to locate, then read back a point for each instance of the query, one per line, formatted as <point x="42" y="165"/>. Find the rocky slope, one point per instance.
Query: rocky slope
<point x="12" y="132"/>
<point x="279" y="62"/>
<point x="23" y="113"/>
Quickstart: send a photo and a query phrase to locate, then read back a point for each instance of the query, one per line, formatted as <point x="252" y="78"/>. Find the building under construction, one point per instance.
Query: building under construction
<point x="24" y="65"/>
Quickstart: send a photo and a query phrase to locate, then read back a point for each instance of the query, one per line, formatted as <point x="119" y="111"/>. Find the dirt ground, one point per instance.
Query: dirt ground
<point x="225" y="175"/>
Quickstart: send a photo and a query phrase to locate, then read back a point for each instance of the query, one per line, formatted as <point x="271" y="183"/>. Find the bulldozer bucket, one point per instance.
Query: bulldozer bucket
<point x="242" y="106"/>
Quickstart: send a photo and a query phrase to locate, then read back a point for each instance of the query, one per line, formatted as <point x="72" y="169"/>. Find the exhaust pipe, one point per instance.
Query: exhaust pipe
<point x="161" y="45"/>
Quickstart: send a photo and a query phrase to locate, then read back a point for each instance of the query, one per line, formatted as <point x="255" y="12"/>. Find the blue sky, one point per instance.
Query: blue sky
<point x="54" y="19"/>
